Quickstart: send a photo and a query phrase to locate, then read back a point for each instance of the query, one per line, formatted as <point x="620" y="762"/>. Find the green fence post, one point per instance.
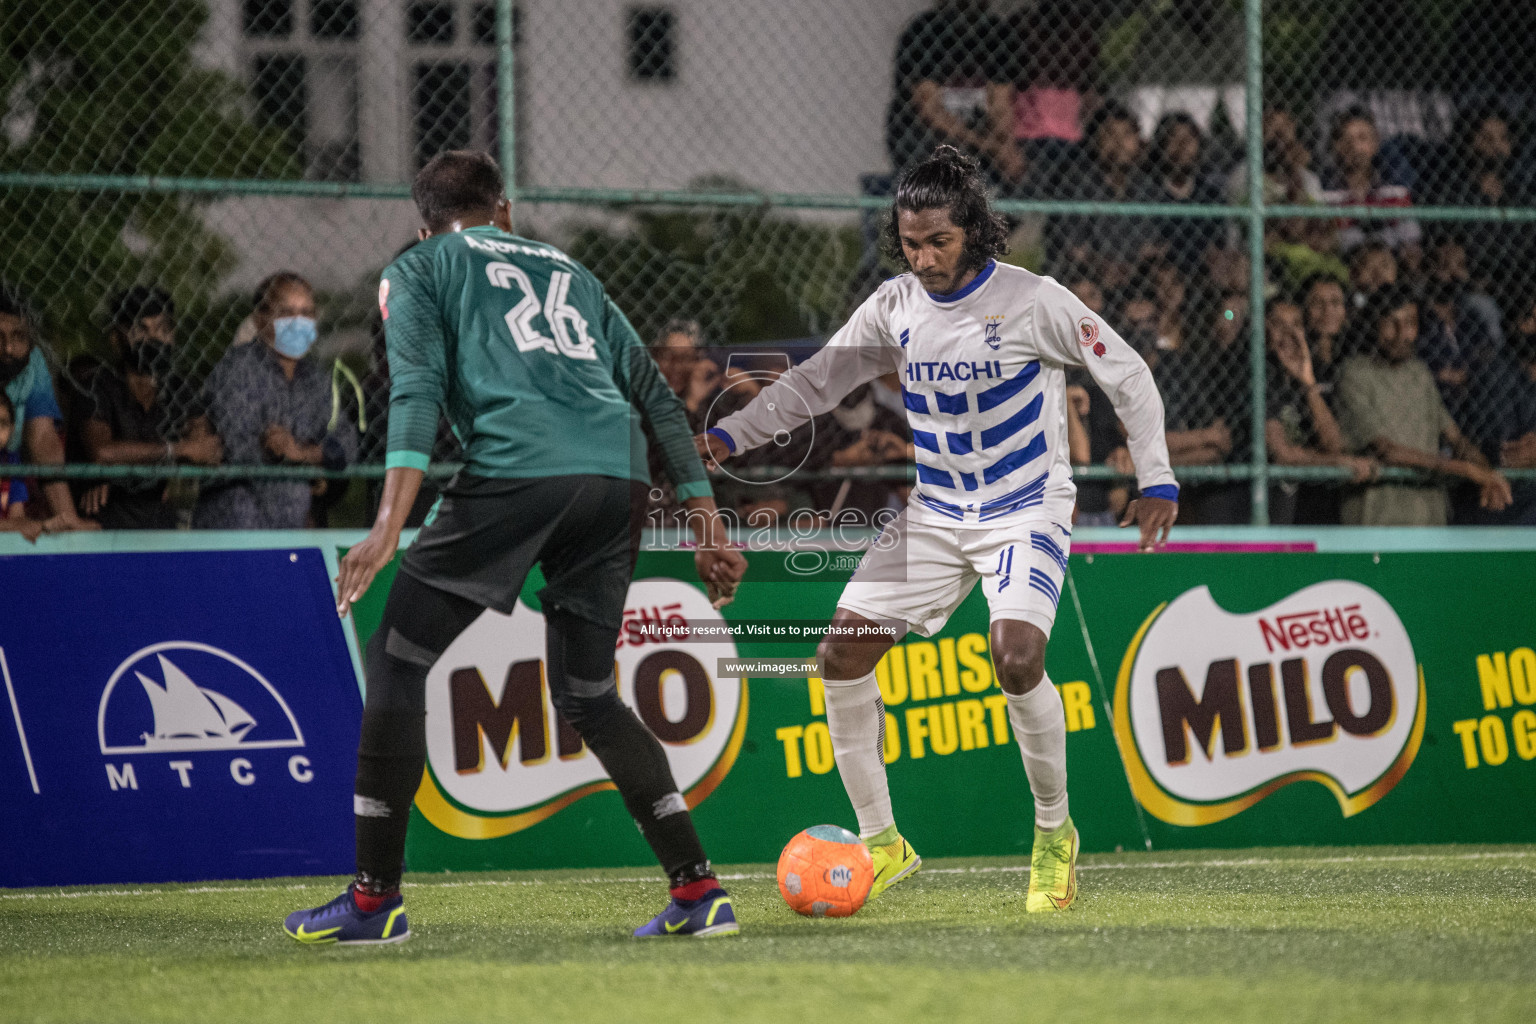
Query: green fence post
<point x="506" y="130"/>
<point x="1259" y="481"/>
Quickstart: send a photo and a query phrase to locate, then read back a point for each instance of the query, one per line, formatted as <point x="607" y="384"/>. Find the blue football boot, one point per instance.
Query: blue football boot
<point x="341" y="922"/>
<point x="710" y="914"/>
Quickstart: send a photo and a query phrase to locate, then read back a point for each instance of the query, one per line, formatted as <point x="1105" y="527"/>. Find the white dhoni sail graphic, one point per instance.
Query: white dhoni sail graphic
<point x="187" y="716"/>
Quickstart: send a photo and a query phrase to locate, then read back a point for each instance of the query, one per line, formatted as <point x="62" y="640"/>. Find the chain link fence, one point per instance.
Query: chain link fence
<point x="1326" y="204"/>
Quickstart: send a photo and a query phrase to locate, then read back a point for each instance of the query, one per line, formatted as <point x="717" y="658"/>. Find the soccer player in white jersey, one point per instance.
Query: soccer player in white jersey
<point x="982" y="350"/>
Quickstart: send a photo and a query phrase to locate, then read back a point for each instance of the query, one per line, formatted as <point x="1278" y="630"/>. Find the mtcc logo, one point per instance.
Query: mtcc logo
<point x="182" y="697"/>
<point x="1215" y="711"/>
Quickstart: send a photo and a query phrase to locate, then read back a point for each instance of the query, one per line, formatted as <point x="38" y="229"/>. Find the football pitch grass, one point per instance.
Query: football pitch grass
<point x="1348" y="934"/>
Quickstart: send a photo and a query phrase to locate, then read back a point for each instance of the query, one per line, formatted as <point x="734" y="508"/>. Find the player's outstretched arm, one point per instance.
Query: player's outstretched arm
<point x="362" y="563"/>
<point x="860" y="351"/>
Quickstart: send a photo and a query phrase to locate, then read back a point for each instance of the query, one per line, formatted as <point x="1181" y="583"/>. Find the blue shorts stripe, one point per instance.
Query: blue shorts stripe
<point x="1047" y="586"/>
<point x="1044" y="543"/>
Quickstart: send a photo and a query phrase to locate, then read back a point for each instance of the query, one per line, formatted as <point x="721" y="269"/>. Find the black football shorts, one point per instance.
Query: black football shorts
<point x="488" y="533"/>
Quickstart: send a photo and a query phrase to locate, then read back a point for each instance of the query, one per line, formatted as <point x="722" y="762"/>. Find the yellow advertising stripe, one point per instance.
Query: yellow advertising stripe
<point x="1135" y="771"/>
<point x="727" y="759"/>
<point x="1393" y="775"/>
<point x="1178" y="812"/>
<point x="441" y="812"/>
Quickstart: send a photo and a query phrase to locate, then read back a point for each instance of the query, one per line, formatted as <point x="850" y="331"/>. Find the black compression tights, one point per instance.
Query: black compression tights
<point x="419" y="623"/>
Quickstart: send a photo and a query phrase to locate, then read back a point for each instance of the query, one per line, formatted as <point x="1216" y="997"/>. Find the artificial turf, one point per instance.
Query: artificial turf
<point x="1358" y="934"/>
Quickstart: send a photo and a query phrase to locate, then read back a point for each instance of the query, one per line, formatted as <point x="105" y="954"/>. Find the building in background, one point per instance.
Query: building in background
<point x="610" y="94"/>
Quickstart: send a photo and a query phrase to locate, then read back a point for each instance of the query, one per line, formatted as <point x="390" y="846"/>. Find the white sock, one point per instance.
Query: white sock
<point x="1040" y="725"/>
<point x="856" y="720"/>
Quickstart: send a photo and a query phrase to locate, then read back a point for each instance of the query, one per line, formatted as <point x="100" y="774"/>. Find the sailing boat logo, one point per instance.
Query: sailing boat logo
<point x="185" y="696"/>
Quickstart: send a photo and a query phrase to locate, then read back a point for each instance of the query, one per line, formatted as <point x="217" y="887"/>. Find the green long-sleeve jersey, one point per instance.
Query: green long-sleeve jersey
<point x="537" y="370"/>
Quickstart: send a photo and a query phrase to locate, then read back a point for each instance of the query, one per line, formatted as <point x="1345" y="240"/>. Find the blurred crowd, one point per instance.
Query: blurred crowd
<point x="267" y="402"/>
<point x="1393" y="341"/>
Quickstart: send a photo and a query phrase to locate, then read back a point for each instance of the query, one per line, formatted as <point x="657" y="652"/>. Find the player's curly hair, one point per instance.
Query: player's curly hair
<point x="950" y="181"/>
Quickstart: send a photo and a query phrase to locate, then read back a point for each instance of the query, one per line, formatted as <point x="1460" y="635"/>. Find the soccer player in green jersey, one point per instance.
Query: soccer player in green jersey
<point x="545" y="382"/>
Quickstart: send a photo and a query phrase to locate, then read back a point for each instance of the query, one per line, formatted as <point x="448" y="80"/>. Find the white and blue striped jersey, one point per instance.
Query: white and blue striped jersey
<point x="983" y="373"/>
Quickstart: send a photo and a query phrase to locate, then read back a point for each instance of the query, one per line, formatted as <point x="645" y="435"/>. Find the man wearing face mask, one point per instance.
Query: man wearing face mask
<point x="270" y="403"/>
<point x="143" y="413"/>
<point x="24" y="376"/>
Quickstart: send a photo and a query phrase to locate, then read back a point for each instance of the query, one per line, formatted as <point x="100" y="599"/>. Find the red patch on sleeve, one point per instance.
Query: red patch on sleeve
<point x="384" y="298"/>
<point x="1088" y="333"/>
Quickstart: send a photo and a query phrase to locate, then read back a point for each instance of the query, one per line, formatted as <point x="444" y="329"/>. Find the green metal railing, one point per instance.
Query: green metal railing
<point x="1228" y="473"/>
<point x="1255" y="213"/>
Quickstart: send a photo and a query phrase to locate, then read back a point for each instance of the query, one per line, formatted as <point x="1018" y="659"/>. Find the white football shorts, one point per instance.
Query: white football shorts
<point x="919" y="574"/>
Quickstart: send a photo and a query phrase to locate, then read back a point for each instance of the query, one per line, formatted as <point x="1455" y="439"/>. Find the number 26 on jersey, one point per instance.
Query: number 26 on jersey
<point x="568" y="333"/>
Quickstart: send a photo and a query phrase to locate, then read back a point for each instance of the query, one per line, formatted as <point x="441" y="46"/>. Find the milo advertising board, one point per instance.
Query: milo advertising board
<point x="1212" y="700"/>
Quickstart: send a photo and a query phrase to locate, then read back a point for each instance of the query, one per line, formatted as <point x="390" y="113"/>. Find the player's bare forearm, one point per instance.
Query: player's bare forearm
<point x="362" y="563"/>
<point x="401" y="485"/>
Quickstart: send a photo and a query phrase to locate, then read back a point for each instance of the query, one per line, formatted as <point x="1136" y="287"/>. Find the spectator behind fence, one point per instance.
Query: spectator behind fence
<point x="1176" y="167"/>
<point x="1326" y="325"/>
<point x="1359" y="177"/>
<point x="1484" y="169"/>
<point x="1501" y="421"/>
<point x="143" y="413"/>
<point x="270" y="401"/>
<point x="1458" y="350"/>
<point x="954" y="85"/>
<point x="36" y="415"/>
<point x="1481" y="169"/>
<point x="1299" y="427"/>
<point x="1183" y="55"/>
<point x="1205" y="389"/>
<point x="1389" y="407"/>
<point x="1371" y="267"/>
<point x="695" y="379"/>
<point x="690" y="373"/>
<point x="1288" y="176"/>
<point x="1446" y="262"/>
<point x="1111" y="171"/>
<point x="13" y="489"/>
<point x="1508" y="432"/>
<point x="1056" y="54"/>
